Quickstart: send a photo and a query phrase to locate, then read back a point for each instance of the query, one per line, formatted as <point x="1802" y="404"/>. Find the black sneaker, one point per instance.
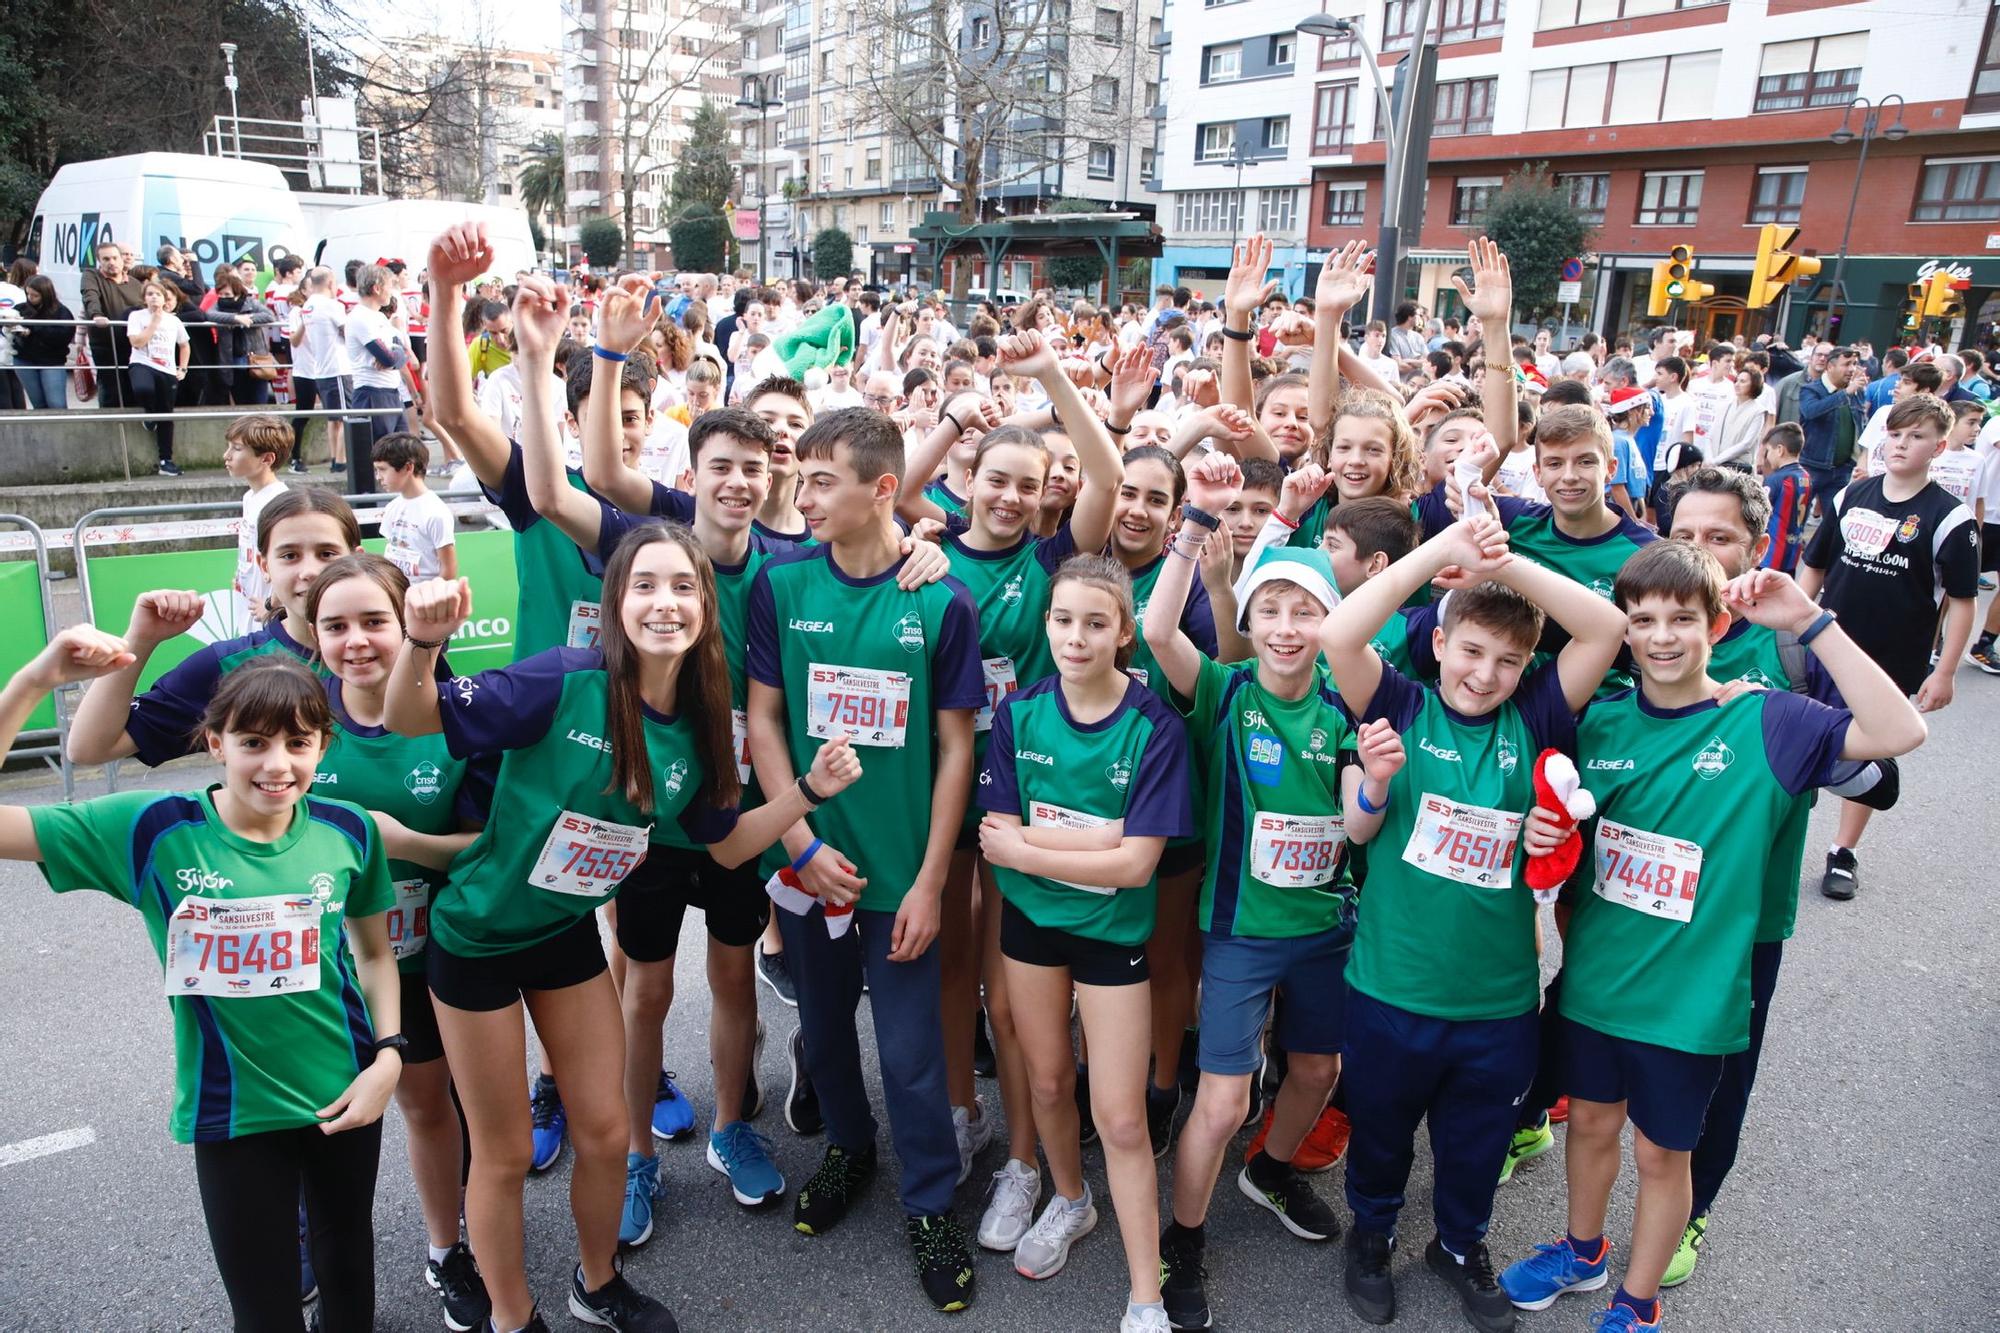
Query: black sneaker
<point x="620" y="1306"/>
<point x="1183" y="1281"/>
<point x="984" y="1063"/>
<point x="944" y="1260"/>
<point x="1842" y="879"/>
<point x="458" y="1284"/>
<point x="169" y="468"/>
<point x="298" y="465"/>
<point x="773" y="971"/>
<point x="825" y="1198"/>
<point x="337" y="467"/>
<point x="1486" y="1305"/>
<point x="801" y="1102"/>
<point x="1086" y="1127"/>
<point x="1371" y="1292"/>
<point x="1986" y="657"/>
<point x="1279" y="1187"/>
<point x="1161" y="1106"/>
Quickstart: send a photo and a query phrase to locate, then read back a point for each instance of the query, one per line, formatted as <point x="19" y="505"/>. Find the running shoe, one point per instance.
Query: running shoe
<point x="1162" y="1104"/>
<point x="642" y="1187"/>
<point x="1842" y="879"/>
<point x="1624" y="1319"/>
<point x="298" y="465"/>
<point x="1486" y="1306"/>
<point x="744" y="1155"/>
<point x="1325" y="1143"/>
<point x="1681" y="1267"/>
<point x="1259" y="1103"/>
<point x="801" y="1102"/>
<point x="545" y="1108"/>
<point x="773" y="972"/>
<point x="944" y="1260"/>
<point x="1559" y="1113"/>
<point x="972" y="1135"/>
<point x="673" y="1114"/>
<point x="620" y="1306"/>
<point x="308" y="1281"/>
<point x="1086" y="1126"/>
<point x="457" y="1282"/>
<point x="1371" y="1291"/>
<point x="1045" y="1249"/>
<point x="1554" y="1270"/>
<point x="1527" y="1143"/>
<point x="1986" y="657"/>
<point x="169" y="468"/>
<point x="753" y="1088"/>
<point x="1145" y="1319"/>
<point x="1275" y="1185"/>
<point x="1010" y="1206"/>
<point x="1183" y="1281"/>
<point x="984" y="1063"/>
<point x="825" y="1198"/>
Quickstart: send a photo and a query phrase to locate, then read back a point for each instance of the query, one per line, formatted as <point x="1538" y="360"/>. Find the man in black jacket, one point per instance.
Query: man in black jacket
<point x="110" y="293"/>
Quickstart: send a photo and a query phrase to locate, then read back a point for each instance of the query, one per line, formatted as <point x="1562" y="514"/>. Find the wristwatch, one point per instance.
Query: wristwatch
<point x="396" y="1042"/>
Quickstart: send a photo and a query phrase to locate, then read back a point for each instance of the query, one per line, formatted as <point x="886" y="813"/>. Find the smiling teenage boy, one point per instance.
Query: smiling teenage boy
<point x="835" y="647"/>
<point x="1444" y="981"/>
<point x="1657" y="987"/>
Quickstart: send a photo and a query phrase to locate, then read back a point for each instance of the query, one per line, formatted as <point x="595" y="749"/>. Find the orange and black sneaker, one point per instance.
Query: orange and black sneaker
<point x="1325" y="1144"/>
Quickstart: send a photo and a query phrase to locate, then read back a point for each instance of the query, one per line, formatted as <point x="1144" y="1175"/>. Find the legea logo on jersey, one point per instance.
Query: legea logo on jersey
<point x="190" y="878"/>
<point x="910" y="633"/>
<point x="1449" y="756"/>
<point x="424" y="782"/>
<point x="1507" y="756"/>
<point x="589" y="741"/>
<point x="1714" y="759"/>
<point x="1120" y="773"/>
<point x="676" y="777"/>
<point x="811" y="626"/>
<point x="321" y="885"/>
<point x="1035" y="757"/>
<point x="1610" y="766"/>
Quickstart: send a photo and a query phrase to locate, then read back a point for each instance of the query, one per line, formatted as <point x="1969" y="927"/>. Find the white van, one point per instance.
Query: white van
<point x="404" y="228"/>
<point x="214" y="208"/>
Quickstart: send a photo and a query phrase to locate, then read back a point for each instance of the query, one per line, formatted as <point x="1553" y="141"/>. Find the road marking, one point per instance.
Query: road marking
<point x="27" y="1150"/>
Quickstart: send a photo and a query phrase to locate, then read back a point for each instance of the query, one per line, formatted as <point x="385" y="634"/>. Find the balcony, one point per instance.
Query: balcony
<point x="581" y="162"/>
<point x="584" y="198"/>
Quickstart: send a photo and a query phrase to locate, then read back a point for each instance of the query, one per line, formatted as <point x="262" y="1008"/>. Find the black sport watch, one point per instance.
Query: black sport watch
<point x="396" y="1042"/>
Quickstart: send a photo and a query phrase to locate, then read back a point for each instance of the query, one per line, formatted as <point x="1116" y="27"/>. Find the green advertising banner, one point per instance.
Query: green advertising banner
<point x="21" y="612"/>
<point x="485" y="556"/>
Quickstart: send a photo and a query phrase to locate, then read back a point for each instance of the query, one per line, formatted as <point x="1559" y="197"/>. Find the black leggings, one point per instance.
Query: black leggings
<point x="250" y="1190"/>
<point x="153" y="391"/>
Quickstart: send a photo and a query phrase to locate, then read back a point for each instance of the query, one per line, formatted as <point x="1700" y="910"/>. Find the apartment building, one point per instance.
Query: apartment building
<point x="477" y="108"/>
<point x="1667" y="123"/>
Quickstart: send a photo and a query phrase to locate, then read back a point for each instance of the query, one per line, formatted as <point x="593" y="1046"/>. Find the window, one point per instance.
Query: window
<point x="888" y="216"/>
<point x="798" y="69"/>
<point x="1103" y="161"/>
<point x="828" y="115"/>
<point x="1456" y="20"/>
<point x="1339" y="50"/>
<point x="1152" y="97"/>
<point x="1216" y="142"/>
<point x="826" y="65"/>
<point x="1464" y="107"/>
<point x="1281" y="52"/>
<point x="1986" y="77"/>
<point x="1219" y="63"/>
<point x="1469" y="197"/>
<point x="1669" y="199"/>
<point x="1569" y="13"/>
<point x="1207" y="211"/>
<point x="1148" y="164"/>
<point x="1631" y="92"/>
<point x="1344" y="205"/>
<point x="1959" y="189"/>
<point x="1277" y="133"/>
<point x="912" y="211"/>
<point x="1817" y="71"/>
<point x="1110" y="25"/>
<point x="1778" y="195"/>
<point x="847" y="177"/>
<point x="982" y="31"/>
<point x="1588" y="195"/>
<point x="1333" y="118"/>
<point x="1277" y="210"/>
<point x="840" y="216"/>
<point x="1104" y="95"/>
<point x="872" y="167"/>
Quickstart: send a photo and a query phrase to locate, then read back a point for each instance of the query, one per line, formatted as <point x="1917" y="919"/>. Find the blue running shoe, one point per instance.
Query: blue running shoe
<point x="673" y="1114"/>
<point x="642" y="1186"/>
<point x="1623" y="1319"/>
<point x="308" y="1281"/>
<point x="545" y="1108"/>
<point x="1534" y="1283"/>
<point x="744" y="1155"/>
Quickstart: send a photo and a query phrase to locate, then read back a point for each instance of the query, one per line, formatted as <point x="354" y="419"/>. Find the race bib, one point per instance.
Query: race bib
<point x="586" y="622"/>
<point x="1000" y="682"/>
<point x="1956" y="470"/>
<point x="588" y="857"/>
<point x="739" y="738"/>
<point x="1866" y="533"/>
<point x="872" y="707"/>
<point x="244" y="946"/>
<point x="410" y="918"/>
<point x="1467" y="843"/>
<point x="1647" y="872"/>
<point x="1140" y="674"/>
<point x="1045" y="814"/>
<point x="1295" y="851"/>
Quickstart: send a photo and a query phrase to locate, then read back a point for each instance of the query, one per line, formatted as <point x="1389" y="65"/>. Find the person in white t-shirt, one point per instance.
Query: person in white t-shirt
<point x="417" y="527"/>
<point x="377" y="355"/>
<point x="1372" y="355"/>
<point x="1670" y="374"/>
<point x="839" y="391"/>
<point x="1713" y="393"/>
<point x="500" y="399"/>
<point x="159" y="364"/>
<point x="317" y="329"/>
<point x="1917" y="377"/>
<point x="254" y="448"/>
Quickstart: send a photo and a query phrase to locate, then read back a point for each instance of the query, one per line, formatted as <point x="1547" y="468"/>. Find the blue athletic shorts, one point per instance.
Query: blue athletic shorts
<point x="1666" y="1092"/>
<point x="1238" y="977"/>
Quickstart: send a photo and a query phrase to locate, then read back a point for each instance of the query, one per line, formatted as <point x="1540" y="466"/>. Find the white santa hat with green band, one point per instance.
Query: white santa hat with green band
<point x="1308" y="568"/>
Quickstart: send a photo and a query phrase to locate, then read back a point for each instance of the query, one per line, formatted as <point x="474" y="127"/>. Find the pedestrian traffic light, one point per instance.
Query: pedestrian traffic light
<point x="1680" y="285"/>
<point x="1913" y="309"/>
<point x="1777" y="267"/>
<point x="1941" y="300"/>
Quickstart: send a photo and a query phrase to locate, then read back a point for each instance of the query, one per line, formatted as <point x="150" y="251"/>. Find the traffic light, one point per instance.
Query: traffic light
<point x="1941" y="300"/>
<point x="1777" y="267"/>
<point x="1913" y="309"/>
<point x="1657" y="299"/>
<point x="1681" y="285"/>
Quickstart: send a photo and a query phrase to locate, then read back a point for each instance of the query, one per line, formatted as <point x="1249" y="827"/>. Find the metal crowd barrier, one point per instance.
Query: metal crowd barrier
<point x="48" y="743"/>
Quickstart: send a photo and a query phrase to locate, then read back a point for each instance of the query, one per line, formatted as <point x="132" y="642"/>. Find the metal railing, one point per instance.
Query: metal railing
<point x="49" y="744"/>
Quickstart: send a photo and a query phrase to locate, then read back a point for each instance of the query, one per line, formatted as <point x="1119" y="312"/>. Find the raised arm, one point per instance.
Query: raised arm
<point x="81" y="652"/>
<point x="432" y="612"/>
<point x="459" y="255"/>
<point x="97" y="734"/>
<point x="622" y="325"/>
<point x="1213" y="483"/>
<point x="1343" y="282"/>
<point x="1242" y="297"/>
<point x="928" y="458"/>
<point x="1596" y="626"/>
<point x="541" y="310"/>
<point x="1090" y="517"/>
<point x="1491" y="298"/>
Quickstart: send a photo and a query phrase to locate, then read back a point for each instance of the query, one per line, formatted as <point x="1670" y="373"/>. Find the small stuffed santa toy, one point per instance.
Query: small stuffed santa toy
<point x="1559" y="790"/>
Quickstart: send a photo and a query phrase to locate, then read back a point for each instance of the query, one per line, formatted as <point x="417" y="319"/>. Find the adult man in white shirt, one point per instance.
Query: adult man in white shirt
<point x="317" y="330"/>
<point x="377" y="355"/>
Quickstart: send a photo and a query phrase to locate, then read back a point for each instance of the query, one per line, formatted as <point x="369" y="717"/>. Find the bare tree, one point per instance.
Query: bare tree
<point x="436" y="100"/>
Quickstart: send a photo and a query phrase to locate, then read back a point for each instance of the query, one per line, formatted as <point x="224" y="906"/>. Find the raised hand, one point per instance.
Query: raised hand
<point x="1027" y="354"/>
<point x="1491" y="296"/>
<point x="623" y="320"/>
<point x="81" y="652"/>
<point x="541" y="317"/>
<point x="1132" y="381"/>
<point x="1381" y="750"/>
<point x="1213" y="481"/>
<point x="1344" y="279"/>
<point x="1248" y="288"/>
<point x="461" y="253"/>
<point x="160" y="615"/>
<point x="1231" y="422"/>
<point x="1770" y="598"/>
<point x="435" y="609"/>
<point x="1303" y="487"/>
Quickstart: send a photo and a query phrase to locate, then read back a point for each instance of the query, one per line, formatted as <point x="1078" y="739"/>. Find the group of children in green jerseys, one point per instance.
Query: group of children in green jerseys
<point x="1238" y="750"/>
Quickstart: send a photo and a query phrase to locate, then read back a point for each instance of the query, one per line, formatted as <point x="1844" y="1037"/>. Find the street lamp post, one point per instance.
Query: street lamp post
<point x="758" y="96"/>
<point x="1870" y="126"/>
<point x="1395" y="143"/>
<point x="1239" y="157"/>
<point x="229" y="82"/>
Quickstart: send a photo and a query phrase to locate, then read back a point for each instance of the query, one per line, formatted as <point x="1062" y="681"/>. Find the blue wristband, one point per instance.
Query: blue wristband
<point x="812" y="850"/>
<point x="607" y="354"/>
<point x="1814" y="630"/>
<point x="1361" y="799"/>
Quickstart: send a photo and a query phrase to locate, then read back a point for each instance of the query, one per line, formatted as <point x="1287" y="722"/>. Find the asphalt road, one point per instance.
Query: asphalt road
<point x="1868" y="1171"/>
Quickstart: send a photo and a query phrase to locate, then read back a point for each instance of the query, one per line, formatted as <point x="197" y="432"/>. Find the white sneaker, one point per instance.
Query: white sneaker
<point x="1045" y="1249"/>
<point x="972" y="1135"/>
<point x="1152" y="1319"/>
<point x="1017" y="1187"/>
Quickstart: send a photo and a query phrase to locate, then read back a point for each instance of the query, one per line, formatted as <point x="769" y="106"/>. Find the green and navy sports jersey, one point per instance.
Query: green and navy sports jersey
<point x="1275" y="826"/>
<point x="416" y="781"/>
<point x="778" y="540"/>
<point x="560" y="586"/>
<point x="1447" y="925"/>
<point x="550" y="715"/>
<point x="1197" y="622"/>
<point x="1047" y="768"/>
<point x="165" y="722"/>
<point x="1658" y="948"/>
<point x="864" y="657"/>
<point x="1404" y="641"/>
<point x="944" y="497"/>
<point x="256" y="1061"/>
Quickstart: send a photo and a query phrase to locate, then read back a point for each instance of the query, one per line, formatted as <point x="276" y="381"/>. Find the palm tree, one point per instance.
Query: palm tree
<point x="543" y="188"/>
